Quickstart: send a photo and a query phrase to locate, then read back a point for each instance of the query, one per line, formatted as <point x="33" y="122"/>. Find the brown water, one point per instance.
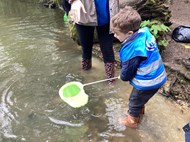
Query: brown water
<point x="37" y="57"/>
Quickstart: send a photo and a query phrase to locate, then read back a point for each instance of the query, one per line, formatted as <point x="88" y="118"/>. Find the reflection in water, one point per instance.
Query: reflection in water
<point x="5" y="115"/>
<point x="36" y="58"/>
<point x="61" y="122"/>
<point x="116" y="109"/>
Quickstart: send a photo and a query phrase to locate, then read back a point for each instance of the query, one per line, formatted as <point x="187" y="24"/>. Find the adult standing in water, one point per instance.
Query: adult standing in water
<point x="89" y="15"/>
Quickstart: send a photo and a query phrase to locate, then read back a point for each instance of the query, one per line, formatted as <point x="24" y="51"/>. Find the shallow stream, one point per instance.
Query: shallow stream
<point x="37" y="57"/>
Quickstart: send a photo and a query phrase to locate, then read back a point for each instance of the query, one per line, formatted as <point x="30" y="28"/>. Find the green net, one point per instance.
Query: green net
<point x="73" y="94"/>
<point x="71" y="90"/>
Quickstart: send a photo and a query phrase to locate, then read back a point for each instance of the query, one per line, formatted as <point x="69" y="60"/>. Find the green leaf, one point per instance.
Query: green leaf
<point x="165" y="28"/>
<point x="163" y="43"/>
<point x="155" y="29"/>
<point x="159" y="31"/>
<point x="145" y="23"/>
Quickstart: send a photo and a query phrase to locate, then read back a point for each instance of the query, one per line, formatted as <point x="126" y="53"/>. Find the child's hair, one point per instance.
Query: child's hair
<point x="128" y="19"/>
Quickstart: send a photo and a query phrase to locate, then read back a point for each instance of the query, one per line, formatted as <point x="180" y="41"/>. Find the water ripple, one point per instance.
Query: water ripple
<point x="61" y="122"/>
<point x="6" y="117"/>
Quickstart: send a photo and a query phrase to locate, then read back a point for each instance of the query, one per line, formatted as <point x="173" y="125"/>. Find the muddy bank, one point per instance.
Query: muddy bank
<point x="176" y="58"/>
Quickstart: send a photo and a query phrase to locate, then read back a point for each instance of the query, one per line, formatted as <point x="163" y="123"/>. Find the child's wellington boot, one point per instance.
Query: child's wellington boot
<point x="131" y="121"/>
<point x="142" y="111"/>
<point x="110" y="70"/>
<point x="86" y="64"/>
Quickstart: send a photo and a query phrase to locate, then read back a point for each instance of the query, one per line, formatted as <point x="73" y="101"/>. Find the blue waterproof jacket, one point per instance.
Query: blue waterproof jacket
<point x="150" y="73"/>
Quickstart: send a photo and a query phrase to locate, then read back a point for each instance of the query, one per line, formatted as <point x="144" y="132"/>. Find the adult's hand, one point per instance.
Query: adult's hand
<point x="76" y="8"/>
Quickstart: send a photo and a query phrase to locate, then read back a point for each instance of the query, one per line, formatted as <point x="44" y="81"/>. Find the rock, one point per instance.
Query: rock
<point x="186" y="63"/>
<point x="50" y="4"/>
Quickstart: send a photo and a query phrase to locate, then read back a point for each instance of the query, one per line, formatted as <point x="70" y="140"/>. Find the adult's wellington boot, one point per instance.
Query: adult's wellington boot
<point x="86" y="64"/>
<point x="110" y="70"/>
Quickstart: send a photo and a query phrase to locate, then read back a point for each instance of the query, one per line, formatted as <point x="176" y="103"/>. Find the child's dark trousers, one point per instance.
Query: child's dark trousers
<point x="138" y="99"/>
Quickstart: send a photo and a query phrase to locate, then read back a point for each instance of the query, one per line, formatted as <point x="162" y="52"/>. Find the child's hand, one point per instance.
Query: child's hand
<point x="75" y="11"/>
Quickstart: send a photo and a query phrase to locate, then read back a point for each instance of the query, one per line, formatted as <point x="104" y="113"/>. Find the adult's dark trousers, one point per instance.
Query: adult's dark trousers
<point x="138" y="99"/>
<point x="86" y="36"/>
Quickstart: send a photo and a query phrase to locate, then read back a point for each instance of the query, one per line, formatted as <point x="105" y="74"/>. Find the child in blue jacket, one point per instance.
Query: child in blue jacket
<point x="141" y="62"/>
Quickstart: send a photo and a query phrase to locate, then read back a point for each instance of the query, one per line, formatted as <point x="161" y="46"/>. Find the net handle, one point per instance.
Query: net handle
<point x="101" y="81"/>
